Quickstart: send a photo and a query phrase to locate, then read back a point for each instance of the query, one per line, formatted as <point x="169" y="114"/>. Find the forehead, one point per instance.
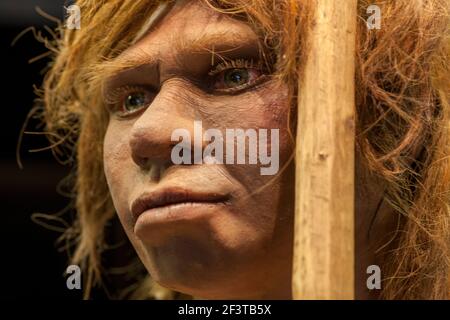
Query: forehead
<point x="192" y="25"/>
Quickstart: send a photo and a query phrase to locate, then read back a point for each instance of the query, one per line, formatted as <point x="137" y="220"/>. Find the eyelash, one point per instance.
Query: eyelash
<point x="238" y="64"/>
<point x="234" y="64"/>
<point x="115" y="98"/>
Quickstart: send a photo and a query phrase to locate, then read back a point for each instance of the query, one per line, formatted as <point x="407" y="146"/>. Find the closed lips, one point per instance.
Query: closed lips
<point x="152" y="200"/>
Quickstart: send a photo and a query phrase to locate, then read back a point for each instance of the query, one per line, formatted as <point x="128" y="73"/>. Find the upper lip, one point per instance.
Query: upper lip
<point x="150" y="200"/>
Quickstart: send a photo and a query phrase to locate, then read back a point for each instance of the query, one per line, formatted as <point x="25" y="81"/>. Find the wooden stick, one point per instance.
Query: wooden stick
<point x="323" y="265"/>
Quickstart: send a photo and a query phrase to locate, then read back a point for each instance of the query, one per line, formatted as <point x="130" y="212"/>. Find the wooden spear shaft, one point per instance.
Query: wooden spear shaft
<point x="323" y="266"/>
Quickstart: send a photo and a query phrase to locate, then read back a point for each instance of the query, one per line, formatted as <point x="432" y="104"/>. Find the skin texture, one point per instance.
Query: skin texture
<point x="243" y="246"/>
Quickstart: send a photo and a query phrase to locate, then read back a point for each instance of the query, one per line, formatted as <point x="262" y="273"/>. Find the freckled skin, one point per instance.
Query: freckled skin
<point x="244" y="249"/>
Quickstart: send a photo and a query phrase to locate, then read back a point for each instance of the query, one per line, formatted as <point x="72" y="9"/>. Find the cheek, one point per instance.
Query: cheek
<point x="275" y="114"/>
<point x="268" y="109"/>
<point x="116" y="159"/>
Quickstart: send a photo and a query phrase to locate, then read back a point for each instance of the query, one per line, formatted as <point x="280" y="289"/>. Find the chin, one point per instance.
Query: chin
<point x="201" y="269"/>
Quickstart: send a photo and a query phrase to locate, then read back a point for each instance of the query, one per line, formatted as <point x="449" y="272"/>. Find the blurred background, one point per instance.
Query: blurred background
<point x="30" y="265"/>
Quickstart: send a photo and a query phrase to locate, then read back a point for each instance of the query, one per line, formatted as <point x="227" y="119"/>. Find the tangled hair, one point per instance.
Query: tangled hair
<point x="403" y="113"/>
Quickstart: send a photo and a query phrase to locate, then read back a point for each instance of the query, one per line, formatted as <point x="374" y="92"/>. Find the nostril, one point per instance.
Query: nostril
<point x="143" y="163"/>
<point x="154" y="170"/>
<point x="149" y="146"/>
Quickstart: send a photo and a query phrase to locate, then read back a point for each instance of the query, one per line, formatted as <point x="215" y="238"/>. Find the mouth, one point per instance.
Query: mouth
<point x="170" y="199"/>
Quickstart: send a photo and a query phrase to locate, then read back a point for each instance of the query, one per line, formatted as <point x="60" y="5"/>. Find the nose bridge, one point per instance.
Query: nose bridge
<point x="150" y="138"/>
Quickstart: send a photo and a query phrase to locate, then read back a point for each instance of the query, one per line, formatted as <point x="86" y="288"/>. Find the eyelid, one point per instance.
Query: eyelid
<point x="232" y="91"/>
<point x="235" y="64"/>
<point x="111" y="96"/>
<point x="238" y="64"/>
<point x="114" y="97"/>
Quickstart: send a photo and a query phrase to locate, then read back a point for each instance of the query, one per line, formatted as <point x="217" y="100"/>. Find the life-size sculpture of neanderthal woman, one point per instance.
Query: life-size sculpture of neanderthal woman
<point x="139" y="69"/>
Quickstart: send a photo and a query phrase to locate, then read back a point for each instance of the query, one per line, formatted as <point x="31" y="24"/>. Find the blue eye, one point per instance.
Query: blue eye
<point x="233" y="80"/>
<point x="236" y="77"/>
<point x="135" y="101"/>
<point x="127" y="100"/>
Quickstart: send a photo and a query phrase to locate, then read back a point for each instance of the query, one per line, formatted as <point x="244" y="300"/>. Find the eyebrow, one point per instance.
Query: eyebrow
<point x="219" y="45"/>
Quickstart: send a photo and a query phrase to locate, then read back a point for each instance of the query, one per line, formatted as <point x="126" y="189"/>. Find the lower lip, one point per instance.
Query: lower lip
<point x="180" y="212"/>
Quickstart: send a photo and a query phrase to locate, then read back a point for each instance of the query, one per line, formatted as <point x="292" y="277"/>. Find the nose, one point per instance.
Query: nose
<point x="150" y="137"/>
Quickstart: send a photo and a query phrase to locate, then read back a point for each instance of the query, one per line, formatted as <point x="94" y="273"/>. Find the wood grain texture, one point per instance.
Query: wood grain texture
<point x="324" y="215"/>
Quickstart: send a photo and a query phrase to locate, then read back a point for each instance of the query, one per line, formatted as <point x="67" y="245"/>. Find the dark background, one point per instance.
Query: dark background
<point x="30" y="265"/>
